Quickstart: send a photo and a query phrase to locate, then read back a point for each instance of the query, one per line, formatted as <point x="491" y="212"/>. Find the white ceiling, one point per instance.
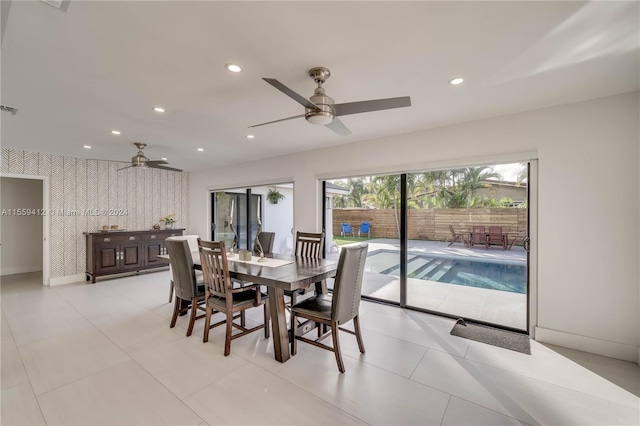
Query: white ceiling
<point x="78" y="72"/>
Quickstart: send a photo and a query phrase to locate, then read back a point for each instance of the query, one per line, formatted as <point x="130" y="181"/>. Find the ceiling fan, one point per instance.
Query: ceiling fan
<point x="140" y="161"/>
<point x="321" y="109"/>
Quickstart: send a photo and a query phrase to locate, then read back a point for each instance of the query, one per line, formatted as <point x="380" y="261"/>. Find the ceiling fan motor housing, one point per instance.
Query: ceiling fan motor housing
<point x="139" y="160"/>
<point x="325" y="114"/>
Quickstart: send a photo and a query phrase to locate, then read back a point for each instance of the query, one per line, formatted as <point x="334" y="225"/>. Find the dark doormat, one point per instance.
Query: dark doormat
<point x="493" y="336"/>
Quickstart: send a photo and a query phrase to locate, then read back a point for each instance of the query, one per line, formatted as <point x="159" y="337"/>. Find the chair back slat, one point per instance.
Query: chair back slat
<point x="309" y="245"/>
<point x="182" y="271"/>
<point x="347" y="287"/>
<point x="215" y="267"/>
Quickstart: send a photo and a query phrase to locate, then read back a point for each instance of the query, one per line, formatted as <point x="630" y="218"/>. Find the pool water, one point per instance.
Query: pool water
<point x="465" y="271"/>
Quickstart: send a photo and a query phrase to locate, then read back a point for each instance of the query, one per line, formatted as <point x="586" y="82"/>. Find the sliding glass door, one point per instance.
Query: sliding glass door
<point x="450" y="241"/>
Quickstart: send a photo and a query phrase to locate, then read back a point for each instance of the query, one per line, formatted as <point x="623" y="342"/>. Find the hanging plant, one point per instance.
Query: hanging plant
<point x="274" y="196"/>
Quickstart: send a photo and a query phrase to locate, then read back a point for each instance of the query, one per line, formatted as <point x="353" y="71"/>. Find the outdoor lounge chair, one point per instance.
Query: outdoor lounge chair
<point x="346" y="229"/>
<point x="365" y="228"/>
<point x="496" y="237"/>
<point x="457" y="237"/>
<point x="479" y="236"/>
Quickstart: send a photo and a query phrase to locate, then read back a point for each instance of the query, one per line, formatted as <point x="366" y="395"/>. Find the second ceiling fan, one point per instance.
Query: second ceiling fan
<point x="321" y="109"/>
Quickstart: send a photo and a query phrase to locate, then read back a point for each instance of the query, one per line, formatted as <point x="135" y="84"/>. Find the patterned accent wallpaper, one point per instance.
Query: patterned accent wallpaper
<point x="83" y="193"/>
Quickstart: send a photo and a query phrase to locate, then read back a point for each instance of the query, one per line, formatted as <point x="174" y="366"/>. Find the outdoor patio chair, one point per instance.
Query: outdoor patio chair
<point x="496" y="237"/>
<point x="365" y="228"/>
<point x="479" y="236"/>
<point x="457" y="237"/>
<point x="346" y="229"/>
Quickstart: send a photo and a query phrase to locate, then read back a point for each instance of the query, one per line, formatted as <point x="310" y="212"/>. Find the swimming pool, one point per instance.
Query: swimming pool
<point x="465" y="271"/>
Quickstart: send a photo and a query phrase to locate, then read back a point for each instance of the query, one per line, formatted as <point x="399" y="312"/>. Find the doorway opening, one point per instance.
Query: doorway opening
<point x="235" y="211"/>
<point x="24" y="225"/>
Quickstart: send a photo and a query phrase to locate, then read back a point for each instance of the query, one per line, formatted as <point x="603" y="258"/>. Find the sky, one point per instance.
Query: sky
<point x="509" y="172"/>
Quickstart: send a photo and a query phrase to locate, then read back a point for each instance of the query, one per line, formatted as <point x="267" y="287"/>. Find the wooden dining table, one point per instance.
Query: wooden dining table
<point x="299" y="273"/>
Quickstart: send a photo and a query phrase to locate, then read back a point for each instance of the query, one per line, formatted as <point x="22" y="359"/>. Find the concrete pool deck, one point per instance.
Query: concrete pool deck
<point x="498" y="307"/>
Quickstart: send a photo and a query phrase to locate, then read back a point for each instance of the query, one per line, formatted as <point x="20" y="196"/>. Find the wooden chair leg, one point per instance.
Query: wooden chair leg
<point x="356" y="327"/>
<point x="207" y="324"/>
<point x="171" y="291"/>
<point x="176" y="311"/>
<point x="336" y="345"/>
<point x="294" y="330"/>
<point x="194" y="314"/>
<point x="227" y="337"/>
<point x="243" y="319"/>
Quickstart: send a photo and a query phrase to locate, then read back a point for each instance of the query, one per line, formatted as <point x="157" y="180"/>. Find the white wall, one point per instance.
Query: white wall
<point x="21" y="235"/>
<point x="588" y="274"/>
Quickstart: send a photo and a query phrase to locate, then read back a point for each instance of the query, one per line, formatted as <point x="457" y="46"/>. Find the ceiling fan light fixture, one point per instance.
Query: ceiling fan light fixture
<point x="319" y="117"/>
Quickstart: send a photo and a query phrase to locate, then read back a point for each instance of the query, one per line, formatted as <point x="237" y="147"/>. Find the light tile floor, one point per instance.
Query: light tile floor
<point x="104" y="354"/>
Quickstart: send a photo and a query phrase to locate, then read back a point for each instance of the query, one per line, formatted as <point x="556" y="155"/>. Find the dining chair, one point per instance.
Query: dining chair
<point x="193" y="246"/>
<point x="187" y="288"/>
<point x="365" y="228"/>
<point x="335" y="309"/>
<point x="266" y="241"/>
<point x="455" y="236"/>
<point x="221" y="296"/>
<point x="478" y="236"/>
<point x="308" y="245"/>
<point x="346" y="229"/>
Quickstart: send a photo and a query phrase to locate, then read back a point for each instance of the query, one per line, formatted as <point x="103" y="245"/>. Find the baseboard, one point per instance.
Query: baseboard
<point x="588" y="344"/>
<point x="68" y="279"/>
<point x="12" y="270"/>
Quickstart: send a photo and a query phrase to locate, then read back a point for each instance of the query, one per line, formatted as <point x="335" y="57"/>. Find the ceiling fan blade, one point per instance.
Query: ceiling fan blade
<point x="338" y="126"/>
<point x="154" y="166"/>
<point x="123" y="168"/>
<point x="290" y="93"/>
<point x="373" y="105"/>
<point x="276" y="121"/>
<point x="156" y="162"/>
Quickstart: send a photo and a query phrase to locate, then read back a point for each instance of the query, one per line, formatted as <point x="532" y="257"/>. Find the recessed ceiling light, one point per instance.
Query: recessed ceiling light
<point x="164" y="159"/>
<point x="87" y="146"/>
<point x="158" y="109"/>
<point x="456" y="81"/>
<point x="200" y="149"/>
<point x="115" y="132"/>
<point x="233" y="67"/>
<point x="250" y="136"/>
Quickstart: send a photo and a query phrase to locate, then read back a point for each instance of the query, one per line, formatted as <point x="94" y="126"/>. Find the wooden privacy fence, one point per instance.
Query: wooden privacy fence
<point x="430" y="224"/>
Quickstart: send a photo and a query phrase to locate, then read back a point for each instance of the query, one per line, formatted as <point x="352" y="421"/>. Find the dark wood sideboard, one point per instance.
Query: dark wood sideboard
<point x="125" y="251"/>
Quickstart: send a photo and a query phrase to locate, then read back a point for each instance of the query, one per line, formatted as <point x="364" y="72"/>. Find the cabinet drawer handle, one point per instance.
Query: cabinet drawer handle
<point x="132" y="238"/>
<point x="106" y="240"/>
<point x="153" y="237"/>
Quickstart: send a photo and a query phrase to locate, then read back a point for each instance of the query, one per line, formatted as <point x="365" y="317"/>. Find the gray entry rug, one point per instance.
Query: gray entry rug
<point x="493" y="336"/>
